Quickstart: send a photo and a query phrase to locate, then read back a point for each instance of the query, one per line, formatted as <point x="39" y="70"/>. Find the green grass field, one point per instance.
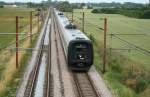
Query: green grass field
<point x="128" y="73"/>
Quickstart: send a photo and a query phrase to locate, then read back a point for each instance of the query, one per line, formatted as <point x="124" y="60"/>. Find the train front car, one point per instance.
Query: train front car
<point x="80" y="55"/>
<point x="77" y="46"/>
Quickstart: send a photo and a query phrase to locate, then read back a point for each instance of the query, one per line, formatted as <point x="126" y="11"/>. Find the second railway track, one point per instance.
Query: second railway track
<point x="33" y="78"/>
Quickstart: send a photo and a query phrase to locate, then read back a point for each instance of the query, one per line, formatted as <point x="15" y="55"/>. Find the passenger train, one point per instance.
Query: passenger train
<point x="77" y="46"/>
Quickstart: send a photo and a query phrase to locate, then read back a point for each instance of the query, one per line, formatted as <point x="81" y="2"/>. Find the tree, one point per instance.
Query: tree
<point x="64" y="6"/>
<point x="82" y="5"/>
<point x="49" y="1"/>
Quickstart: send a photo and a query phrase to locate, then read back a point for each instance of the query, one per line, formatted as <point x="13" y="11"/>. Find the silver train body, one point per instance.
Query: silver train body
<point x="77" y="46"/>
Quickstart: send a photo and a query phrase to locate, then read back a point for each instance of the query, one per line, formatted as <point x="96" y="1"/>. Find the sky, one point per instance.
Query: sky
<point x="136" y="1"/>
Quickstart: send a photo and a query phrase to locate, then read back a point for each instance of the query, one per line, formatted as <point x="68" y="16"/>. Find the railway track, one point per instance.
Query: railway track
<point x="30" y="89"/>
<point x="84" y="85"/>
<point x="82" y="82"/>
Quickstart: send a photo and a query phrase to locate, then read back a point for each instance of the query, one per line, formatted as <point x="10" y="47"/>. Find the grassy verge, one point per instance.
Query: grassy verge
<point x="125" y="77"/>
<point x="9" y="75"/>
<point x="13" y="84"/>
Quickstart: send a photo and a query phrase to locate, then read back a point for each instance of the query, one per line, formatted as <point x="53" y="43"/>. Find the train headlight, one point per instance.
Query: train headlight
<point x="80" y="57"/>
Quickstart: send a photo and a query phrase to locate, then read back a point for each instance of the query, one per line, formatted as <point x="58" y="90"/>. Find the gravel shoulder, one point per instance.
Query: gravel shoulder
<point x="99" y="83"/>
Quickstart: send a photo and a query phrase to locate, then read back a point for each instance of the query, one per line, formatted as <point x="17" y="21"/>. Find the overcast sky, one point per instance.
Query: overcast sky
<point x="136" y="1"/>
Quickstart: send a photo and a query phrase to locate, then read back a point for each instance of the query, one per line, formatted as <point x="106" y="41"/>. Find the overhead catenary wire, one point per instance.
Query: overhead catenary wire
<point x="13" y="33"/>
<point x="135" y="46"/>
<point x="35" y="34"/>
<point x="138" y="34"/>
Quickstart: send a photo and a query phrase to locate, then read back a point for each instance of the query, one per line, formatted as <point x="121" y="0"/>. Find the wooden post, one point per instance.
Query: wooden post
<point x="104" y="49"/>
<point x="83" y="22"/>
<point x="31" y="26"/>
<point x="72" y="15"/>
<point x="17" y="30"/>
<point x="38" y="22"/>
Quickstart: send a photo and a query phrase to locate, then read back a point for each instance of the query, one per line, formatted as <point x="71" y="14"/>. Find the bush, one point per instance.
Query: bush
<point x="1" y="6"/>
<point x="109" y="11"/>
<point x="146" y="15"/>
<point x="95" y="11"/>
<point x="64" y="6"/>
<point x="141" y="85"/>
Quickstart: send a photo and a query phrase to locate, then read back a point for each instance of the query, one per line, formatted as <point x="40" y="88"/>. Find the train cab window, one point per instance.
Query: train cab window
<point x="71" y="26"/>
<point x="60" y="13"/>
<point x="80" y="51"/>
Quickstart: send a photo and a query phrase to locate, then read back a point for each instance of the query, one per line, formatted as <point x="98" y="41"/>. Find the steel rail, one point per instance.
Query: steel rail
<point x="49" y="63"/>
<point x="93" y="86"/>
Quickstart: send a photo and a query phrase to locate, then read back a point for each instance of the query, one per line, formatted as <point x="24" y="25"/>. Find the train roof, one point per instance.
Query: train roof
<point x="71" y="34"/>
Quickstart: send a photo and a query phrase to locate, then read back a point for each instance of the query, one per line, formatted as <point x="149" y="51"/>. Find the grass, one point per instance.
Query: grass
<point x="128" y="72"/>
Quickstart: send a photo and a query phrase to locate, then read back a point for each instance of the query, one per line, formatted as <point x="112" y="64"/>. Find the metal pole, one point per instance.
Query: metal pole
<point x="31" y="26"/>
<point x="104" y="50"/>
<point x="17" y="30"/>
<point x="83" y="22"/>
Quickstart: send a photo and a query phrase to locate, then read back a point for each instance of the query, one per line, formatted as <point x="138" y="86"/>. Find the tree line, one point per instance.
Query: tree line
<point x="141" y="13"/>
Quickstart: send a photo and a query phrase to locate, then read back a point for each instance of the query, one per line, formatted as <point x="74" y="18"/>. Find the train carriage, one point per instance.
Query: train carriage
<point x="77" y="46"/>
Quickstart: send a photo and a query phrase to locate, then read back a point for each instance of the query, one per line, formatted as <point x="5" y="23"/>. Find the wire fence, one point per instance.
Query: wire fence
<point x="24" y="27"/>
